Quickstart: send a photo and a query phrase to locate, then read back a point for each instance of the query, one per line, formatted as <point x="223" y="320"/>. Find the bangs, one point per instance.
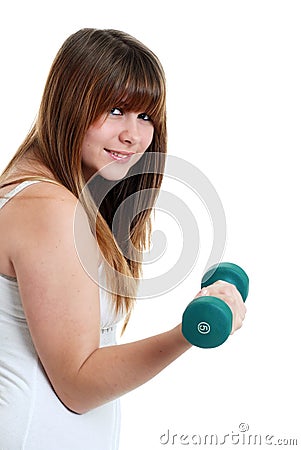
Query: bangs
<point x="136" y="84"/>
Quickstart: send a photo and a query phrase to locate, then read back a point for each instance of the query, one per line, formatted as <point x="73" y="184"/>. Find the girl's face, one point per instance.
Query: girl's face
<point x="115" y="142"/>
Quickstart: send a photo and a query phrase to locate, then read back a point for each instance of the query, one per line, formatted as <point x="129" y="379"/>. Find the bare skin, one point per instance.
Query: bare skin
<point x="62" y="308"/>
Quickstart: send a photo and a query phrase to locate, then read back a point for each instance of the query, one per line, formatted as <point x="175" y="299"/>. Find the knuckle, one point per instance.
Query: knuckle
<point x="226" y="288"/>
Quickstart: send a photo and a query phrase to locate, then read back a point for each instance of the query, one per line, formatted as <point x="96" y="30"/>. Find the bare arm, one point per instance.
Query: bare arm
<point x="126" y="366"/>
<point x="61" y="303"/>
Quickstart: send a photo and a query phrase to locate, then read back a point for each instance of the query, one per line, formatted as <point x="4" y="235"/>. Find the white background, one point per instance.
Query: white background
<point x="234" y="100"/>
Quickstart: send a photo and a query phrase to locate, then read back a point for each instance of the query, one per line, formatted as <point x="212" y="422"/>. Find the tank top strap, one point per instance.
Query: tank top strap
<point x="9" y="195"/>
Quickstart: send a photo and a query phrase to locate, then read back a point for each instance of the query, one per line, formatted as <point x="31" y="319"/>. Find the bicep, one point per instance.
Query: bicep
<point x="60" y="295"/>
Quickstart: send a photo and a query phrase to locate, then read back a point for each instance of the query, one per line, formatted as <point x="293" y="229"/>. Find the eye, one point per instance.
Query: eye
<point x="144" y="116"/>
<point x="116" y="112"/>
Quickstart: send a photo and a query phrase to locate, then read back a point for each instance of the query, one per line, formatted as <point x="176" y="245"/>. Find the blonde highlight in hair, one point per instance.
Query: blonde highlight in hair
<point x="94" y="71"/>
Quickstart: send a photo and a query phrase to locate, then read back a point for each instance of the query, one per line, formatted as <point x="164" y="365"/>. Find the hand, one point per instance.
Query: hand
<point x="231" y="296"/>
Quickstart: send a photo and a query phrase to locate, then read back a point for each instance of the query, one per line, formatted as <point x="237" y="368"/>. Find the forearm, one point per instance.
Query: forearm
<point x="110" y="372"/>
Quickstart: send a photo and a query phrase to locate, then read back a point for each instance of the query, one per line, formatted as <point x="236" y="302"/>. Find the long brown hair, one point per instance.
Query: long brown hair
<point x="94" y="71"/>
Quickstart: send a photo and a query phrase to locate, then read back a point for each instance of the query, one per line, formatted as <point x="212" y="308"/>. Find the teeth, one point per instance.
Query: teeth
<point x="119" y="155"/>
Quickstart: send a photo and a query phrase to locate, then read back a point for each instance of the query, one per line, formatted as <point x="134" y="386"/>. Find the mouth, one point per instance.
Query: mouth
<point x="119" y="155"/>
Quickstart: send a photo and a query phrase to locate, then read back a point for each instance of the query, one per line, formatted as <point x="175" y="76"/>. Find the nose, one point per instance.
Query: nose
<point x="129" y="133"/>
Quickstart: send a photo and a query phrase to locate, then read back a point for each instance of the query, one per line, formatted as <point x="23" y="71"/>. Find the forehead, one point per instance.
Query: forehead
<point x="139" y="99"/>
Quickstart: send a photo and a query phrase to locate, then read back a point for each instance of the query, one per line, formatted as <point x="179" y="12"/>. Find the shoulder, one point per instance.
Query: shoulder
<point x="42" y="217"/>
<point x="41" y="201"/>
<point x="45" y="192"/>
<point x="41" y="191"/>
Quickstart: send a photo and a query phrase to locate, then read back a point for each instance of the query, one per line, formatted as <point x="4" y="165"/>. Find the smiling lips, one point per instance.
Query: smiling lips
<point x="119" y="155"/>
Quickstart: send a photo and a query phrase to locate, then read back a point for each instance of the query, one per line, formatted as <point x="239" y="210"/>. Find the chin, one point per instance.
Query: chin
<point x="114" y="173"/>
<point x="118" y="170"/>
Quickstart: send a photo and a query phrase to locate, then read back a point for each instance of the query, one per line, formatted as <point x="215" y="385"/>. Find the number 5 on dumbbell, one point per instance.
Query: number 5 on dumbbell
<point x="207" y="320"/>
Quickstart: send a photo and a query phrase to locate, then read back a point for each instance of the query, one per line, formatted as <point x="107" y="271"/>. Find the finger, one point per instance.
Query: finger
<point x="231" y="296"/>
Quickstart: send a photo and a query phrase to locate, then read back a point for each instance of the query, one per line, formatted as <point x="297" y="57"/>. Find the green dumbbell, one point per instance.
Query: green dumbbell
<point x="207" y="320"/>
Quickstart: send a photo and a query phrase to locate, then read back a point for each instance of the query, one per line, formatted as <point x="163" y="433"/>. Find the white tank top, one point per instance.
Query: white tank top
<point x="31" y="415"/>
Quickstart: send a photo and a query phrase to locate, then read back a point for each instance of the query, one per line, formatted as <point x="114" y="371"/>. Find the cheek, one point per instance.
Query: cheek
<point x="148" y="137"/>
<point x="91" y="143"/>
<point x="90" y="138"/>
<point x="86" y="145"/>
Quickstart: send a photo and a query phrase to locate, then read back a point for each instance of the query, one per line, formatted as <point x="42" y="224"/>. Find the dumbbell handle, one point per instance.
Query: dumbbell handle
<point x="207" y="320"/>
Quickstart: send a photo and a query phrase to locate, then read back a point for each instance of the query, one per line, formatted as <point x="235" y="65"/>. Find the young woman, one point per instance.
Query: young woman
<point x="61" y="372"/>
